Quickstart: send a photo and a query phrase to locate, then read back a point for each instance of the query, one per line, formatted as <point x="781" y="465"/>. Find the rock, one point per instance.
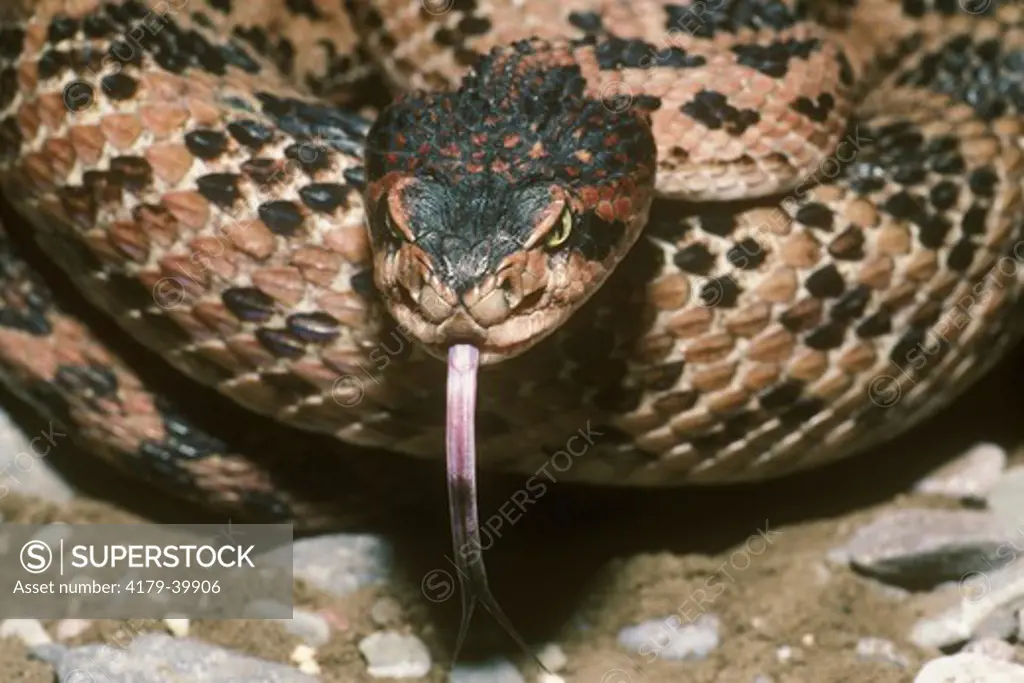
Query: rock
<point x="980" y="605"/>
<point x="177" y="627"/>
<point x="342" y="563"/>
<point x="1005" y="499"/>
<point x="920" y="547"/>
<point x="969" y="668"/>
<point x="880" y="650"/>
<point x="69" y="628"/>
<point x="311" y="627"/>
<point x="390" y="654"/>
<point x="497" y="670"/>
<point x="671" y="641"/>
<point x="969" y="477"/>
<point x="305" y="658"/>
<point x="158" y="657"/>
<point x="23" y="470"/>
<point x="553" y="657"/>
<point x="28" y="631"/>
<point x="993" y="648"/>
<point x="386" y="612"/>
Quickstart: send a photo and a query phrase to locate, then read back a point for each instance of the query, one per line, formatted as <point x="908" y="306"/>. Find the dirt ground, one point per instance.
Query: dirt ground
<point x="587" y="563"/>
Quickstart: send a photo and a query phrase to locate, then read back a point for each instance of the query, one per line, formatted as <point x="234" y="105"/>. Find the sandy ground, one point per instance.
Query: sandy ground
<point x="584" y="564"/>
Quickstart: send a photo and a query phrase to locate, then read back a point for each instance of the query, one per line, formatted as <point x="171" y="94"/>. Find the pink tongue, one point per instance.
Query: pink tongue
<point x="463" y="363"/>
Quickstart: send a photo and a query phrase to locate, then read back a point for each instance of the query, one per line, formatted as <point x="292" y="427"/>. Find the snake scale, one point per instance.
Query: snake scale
<point x="695" y="241"/>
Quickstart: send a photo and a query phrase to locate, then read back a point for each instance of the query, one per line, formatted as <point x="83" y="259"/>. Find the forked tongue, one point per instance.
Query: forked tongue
<point x="463" y="364"/>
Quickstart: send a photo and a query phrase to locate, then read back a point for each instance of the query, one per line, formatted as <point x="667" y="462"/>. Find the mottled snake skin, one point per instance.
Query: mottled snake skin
<point x="197" y="170"/>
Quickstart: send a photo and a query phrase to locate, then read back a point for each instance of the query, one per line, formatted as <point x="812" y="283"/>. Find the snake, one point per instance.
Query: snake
<point x="674" y="242"/>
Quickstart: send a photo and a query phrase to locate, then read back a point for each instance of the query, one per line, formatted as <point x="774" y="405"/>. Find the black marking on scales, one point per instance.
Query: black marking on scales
<point x="712" y="109"/>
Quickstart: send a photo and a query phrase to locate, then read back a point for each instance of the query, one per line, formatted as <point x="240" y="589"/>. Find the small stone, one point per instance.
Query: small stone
<point x="28" y="631"/>
<point x="880" y="650"/>
<point x="311" y="627"/>
<point x="309" y="667"/>
<point x="671" y="641"/>
<point x="807" y="640"/>
<point x="979" y="605"/>
<point x="553" y="657"/>
<point x="993" y="648"/>
<point x="177" y="627"/>
<point x="969" y="668"/>
<point x="70" y="628"/>
<point x="1005" y="499"/>
<point x="303" y="654"/>
<point x="157" y="658"/>
<point x="786" y="653"/>
<point x="390" y="654"/>
<point x="496" y="670"/>
<point x="921" y="547"/>
<point x="342" y="563"/>
<point x="969" y="477"/>
<point x="546" y="677"/>
<point x="23" y="470"/>
<point x="386" y="611"/>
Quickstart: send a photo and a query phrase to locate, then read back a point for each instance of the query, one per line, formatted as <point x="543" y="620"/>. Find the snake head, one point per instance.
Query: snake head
<point x="495" y="211"/>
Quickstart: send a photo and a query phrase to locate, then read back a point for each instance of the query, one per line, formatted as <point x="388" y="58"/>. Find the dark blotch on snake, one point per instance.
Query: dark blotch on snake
<point x="781" y="395"/>
<point x="973" y="222"/>
<point x="816" y="111"/>
<point x="961" y="255"/>
<point x="712" y="109"/>
<point x="828" y="336"/>
<point x="119" y="86"/>
<point x="694" y="259"/>
<point x="62" y="27"/>
<point x="876" y="325"/>
<point x="944" y="195"/>
<point x="281" y="343"/>
<point x="933" y="230"/>
<point x="815" y="215"/>
<point x="316" y="327"/>
<point x="250" y="133"/>
<point x="219" y="188"/>
<point x="324" y="197"/>
<point x="773" y="59"/>
<point x="851" y="305"/>
<point x="826" y="282"/>
<point x="281" y="216"/>
<point x="248" y="304"/>
<point x="746" y="255"/>
<point x="206" y="144"/>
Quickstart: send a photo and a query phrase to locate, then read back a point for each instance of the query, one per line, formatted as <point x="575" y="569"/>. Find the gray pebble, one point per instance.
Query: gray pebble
<point x="969" y="477"/>
<point x="672" y="641"/>
<point x="880" y="650"/>
<point x="386" y="611"/>
<point x="23" y="471"/>
<point x="993" y="648"/>
<point x="980" y="605"/>
<point x="1006" y="499"/>
<point x="158" y="657"/>
<point x="497" y="670"/>
<point x="28" y="631"/>
<point x="969" y="668"/>
<point x="390" y="654"/>
<point x="311" y="627"/>
<point x="342" y="563"/>
<point x="918" y="547"/>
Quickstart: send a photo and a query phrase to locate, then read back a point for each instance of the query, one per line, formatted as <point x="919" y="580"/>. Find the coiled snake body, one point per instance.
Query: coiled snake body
<point x="832" y="253"/>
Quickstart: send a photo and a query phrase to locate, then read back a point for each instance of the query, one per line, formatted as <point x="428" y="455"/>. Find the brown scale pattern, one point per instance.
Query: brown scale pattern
<point x="733" y="343"/>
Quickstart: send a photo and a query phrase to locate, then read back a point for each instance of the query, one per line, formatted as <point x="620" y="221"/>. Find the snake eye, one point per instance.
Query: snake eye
<point x="561" y="231"/>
